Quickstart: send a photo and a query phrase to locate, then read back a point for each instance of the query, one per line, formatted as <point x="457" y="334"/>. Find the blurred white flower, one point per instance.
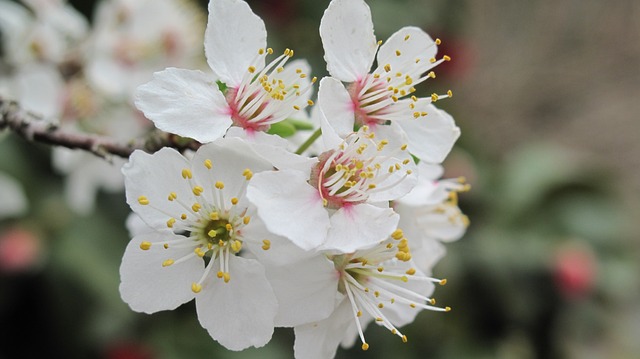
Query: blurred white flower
<point x="14" y="202"/>
<point x="133" y="38"/>
<point x="383" y="96"/>
<point x="430" y="216"/>
<point x="241" y="91"/>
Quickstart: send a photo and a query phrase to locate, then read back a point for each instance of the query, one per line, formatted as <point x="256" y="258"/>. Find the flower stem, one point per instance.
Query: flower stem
<point x="314" y="136"/>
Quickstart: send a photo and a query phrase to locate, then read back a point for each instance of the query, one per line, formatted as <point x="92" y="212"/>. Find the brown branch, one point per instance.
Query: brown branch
<point x="33" y="128"/>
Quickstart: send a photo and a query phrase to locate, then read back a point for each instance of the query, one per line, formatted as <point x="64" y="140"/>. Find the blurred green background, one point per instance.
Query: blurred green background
<point x="546" y="94"/>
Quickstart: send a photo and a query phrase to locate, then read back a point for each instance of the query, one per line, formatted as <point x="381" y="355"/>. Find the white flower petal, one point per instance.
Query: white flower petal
<point x="320" y="340"/>
<point x="305" y="290"/>
<point x="290" y="207"/>
<point x="185" y="102"/>
<point x="406" y="46"/>
<point x="273" y="148"/>
<point x="149" y="287"/>
<point x="347" y="36"/>
<point x="445" y="223"/>
<point x="431" y="137"/>
<point x="229" y="158"/>
<point x="360" y="226"/>
<point x="240" y="313"/>
<point x="155" y="177"/>
<point x="233" y="37"/>
<point x="336" y="105"/>
<point x="400" y="182"/>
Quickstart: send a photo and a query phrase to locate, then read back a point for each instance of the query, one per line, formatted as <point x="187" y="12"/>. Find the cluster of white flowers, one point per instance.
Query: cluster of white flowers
<point x="262" y="236"/>
<point x="57" y="65"/>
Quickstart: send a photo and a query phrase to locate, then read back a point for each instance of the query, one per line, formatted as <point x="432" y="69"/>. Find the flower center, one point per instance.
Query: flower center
<point x="375" y="278"/>
<point x="349" y="174"/>
<point x="211" y="226"/>
<point x="269" y="95"/>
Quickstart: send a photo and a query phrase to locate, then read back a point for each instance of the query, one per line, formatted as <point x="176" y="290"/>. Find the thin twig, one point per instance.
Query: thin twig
<point x="33" y="128"/>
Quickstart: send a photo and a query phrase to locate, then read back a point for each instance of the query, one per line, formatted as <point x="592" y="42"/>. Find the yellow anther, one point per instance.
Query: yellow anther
<point x="208" y="164"/>
<point x="438" y="41"/>
<point x="447" y="309"/>
<point x="412" y="89"/>
<point x="411" y="271"/>
<point x="378" y="319"/>
<point x="423" y="114"/>
<point x="417" y="61"/>
<point x="380" y="305"/>
<point x="450" y="93"/>
<point x="412" y="105"/>
<point x="404" y="278"/>
<point x="397" y="234"/>
<point x="280" y="69"/>
<point x="183" y="216"/>
<point x="443" y="282"/>
<point x="412" y="305"/>
<point x="387" y="68"/>
<point x="309" y="102"/>
<point x="166" y="246"/>
<point x="266" y="244"/>
<point x="389" y="245"/>
<point x="186" y="173"/>
<point x="408" y="80"/>
<point x="296" y="107"/>
<point x="365" y="346"/>
<point x="172" y="196"/>
<point x="219" y="274"/>
<point x="145" y="245"/>
<point x="406" y="161"/>
<point x="143" y="200"/>
<point x="398" y="53"/>
<point x="446" y="58"/>
<point x="197" y="190"/>
<point x="171" y="222"/>
<point x="234" y="201"/>
<point x="269" y="51"/>
<point x="298" y="71"/>
<point x="303" y="76"/>
<point x="394" y="98"/>
<point x="432" y="74"/>
<point x="226" y="277"/>
<point x="414" y="98"/>
<point x="404" y="338"/>
<point x="380" y="269"/>
<point x="199" y="252"/>
<point x="247" y="174"/>
<point x="379" y="42"/>
<point x="376" y="76"/>
<point x="376" y="294"/>
<point x="372" y="186"/>
<point x="314" y="79"/>
<point x="246" y="220"/>
<point x="236" y="246"/>
<point x="196" y="288"/>
<point x="167" y="263"/>
<point x="434" y="97"/>
<point x="432" y="301"/>
<point x="196" y="207"/>
<point x="219" y="185"/>
<point x="432" y="60"/>
<point x="287" y="52"/>
<point x="407" y="37"/>
<point x="252" y="69"/>
<point x="221" y="243"/>
<point x="228" y="227"/>
<point x="261" y="51"/>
